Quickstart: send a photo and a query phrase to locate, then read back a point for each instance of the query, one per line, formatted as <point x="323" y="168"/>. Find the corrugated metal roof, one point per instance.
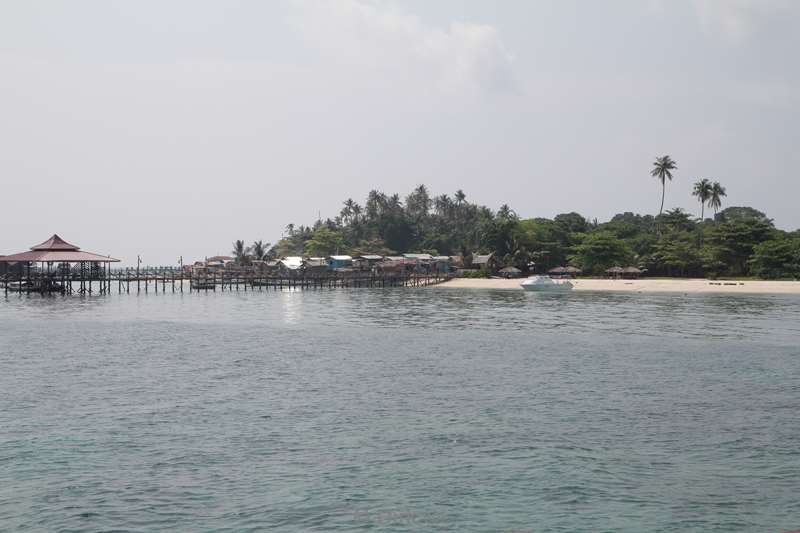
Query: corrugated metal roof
<point x="292" y="263"/>
<point x="418" y="256"/>
<point x="372" y="257"/>
<point x="341" y="258"/>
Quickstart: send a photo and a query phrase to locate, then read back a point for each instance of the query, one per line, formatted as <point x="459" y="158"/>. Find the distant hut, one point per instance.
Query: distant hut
<point x="615" y="271"/>
<point x="557" y="272"/>
<point x="510" y="272"/>
<point x="315" y="265"/>
<point x="442" y="263"/>
<point x="392" y="263"/>
<point x="487" y="262"/>
<point x="291" y="264"/>
<point x="573" y="271"/>
<point x="338" y="262"/>
<point x="367" y="261"/>
<point x="631" y="272"/>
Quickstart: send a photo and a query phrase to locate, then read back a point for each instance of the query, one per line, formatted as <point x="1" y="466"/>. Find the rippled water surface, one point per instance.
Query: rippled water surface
<point x="400" y="410"/>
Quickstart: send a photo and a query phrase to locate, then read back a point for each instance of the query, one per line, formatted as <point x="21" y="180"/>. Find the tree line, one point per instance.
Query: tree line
<point x="737" y="241"/>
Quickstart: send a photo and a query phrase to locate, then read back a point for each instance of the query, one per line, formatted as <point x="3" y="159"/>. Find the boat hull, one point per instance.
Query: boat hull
<point x="542" y="284"/>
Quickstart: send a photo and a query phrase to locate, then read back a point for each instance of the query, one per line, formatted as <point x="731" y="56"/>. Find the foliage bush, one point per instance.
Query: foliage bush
<point x="740" y="241"/>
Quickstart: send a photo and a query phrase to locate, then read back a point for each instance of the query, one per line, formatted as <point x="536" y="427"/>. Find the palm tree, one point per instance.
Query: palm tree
<point x="702" y="189"/>
<point x="715" y="198"/>
<point x="239" y="252"/>
<point x="662" y="169"/>
<point x="259" y="250"/>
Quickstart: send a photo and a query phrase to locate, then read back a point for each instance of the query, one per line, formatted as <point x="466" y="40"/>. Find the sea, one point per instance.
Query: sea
<point x="400" y="410"/>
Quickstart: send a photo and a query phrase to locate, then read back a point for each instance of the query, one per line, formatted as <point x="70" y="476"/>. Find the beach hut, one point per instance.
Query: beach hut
<point x="557" y="272"/>
<point x="615" y="271"/>
<point x="510" y="272"/>
<point x="486" y="261"/>
<point x="631" y="272"/>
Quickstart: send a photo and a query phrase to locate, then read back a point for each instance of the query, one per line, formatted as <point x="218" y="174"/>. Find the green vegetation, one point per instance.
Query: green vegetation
<point x="738" y="242"/>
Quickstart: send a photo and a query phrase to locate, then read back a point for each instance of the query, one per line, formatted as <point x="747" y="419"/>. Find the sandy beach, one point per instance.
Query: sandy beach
<point x="643" y="285"/>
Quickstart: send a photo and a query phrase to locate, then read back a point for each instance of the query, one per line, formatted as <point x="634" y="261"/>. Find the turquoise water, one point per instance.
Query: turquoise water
<point x="400" y="410"/>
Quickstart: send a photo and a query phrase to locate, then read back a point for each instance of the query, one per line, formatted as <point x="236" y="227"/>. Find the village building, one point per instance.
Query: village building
<point x="367" y="261"/>
<point x="316" y="265"/>
<point x="293" y="263"/>
<point x="487" y="262"/>
<point x="338" y="262"/>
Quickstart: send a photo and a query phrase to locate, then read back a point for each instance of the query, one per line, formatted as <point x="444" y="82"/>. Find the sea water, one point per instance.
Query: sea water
<point x="400" y="410"/>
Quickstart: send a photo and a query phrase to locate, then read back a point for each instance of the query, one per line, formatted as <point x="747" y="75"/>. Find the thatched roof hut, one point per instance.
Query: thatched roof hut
<point x="565" y="271"/>
<point x="631" y="272"/>
<point x="510" y="272"/>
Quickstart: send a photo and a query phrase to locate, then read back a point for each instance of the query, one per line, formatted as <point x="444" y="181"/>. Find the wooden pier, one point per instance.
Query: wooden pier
<point x="85" y="281"/>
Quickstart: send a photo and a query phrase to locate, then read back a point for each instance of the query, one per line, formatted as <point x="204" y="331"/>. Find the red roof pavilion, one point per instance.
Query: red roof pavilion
<point x="56" y="250"/>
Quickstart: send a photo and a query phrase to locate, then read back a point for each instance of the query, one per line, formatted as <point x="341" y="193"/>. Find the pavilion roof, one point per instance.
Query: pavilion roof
<point x="55" y="243"/>
<point x="56" y="250"/>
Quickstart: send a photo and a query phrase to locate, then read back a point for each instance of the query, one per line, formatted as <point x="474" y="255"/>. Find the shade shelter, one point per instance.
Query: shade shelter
<point x="558" y="272"/>
<point x="55" y="263"/>
<point x="631" y="272"/>
<point x="510" y="272"/>
<point x="615" y="271"/>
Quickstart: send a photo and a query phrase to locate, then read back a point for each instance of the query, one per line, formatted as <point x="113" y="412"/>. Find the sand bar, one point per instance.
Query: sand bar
<point x="643" y="285"/>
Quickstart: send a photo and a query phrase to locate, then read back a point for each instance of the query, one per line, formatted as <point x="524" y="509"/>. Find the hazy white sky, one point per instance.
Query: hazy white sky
<point x="174" y="127"/>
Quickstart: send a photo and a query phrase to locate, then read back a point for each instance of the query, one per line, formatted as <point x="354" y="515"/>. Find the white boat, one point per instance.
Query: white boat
<point x="546" y="284"/>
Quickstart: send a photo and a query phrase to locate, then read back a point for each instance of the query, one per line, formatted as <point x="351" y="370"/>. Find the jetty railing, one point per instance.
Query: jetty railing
<point x="174" y="280"/>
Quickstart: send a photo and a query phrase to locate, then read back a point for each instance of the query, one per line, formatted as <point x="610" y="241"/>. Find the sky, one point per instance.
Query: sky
<point x="171" y="128"/>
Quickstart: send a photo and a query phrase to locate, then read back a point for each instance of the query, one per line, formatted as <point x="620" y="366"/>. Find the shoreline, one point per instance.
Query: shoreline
<point x="699" y="286"/>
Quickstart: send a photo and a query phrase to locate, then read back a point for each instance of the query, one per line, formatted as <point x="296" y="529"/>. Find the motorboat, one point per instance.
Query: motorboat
<point x="546" y="284"/>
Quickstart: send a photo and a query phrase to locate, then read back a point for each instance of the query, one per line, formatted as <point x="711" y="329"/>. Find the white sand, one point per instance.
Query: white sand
<point x="642" y="285"/>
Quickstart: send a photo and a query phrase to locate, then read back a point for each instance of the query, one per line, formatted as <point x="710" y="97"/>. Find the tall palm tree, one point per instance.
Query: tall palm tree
<point x="259" y="250"/>
<point x="702" y="189"/>
<point x="715" y="199"/>
<point x="240" y="251"/>
<point x="662" y="169"/>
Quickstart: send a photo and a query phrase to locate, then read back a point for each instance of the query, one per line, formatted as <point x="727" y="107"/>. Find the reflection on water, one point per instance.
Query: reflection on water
<point x="399" y="410"/>
<point x="697" y="315"/>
